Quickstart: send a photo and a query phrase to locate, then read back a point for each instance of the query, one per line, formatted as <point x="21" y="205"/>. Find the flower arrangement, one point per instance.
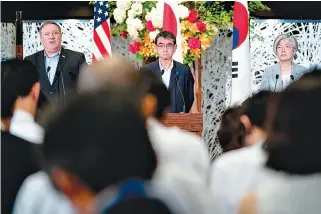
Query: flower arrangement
<point x="141" y="21"/>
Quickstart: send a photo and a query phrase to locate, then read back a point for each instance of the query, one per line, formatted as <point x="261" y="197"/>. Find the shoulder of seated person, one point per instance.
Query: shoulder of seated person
<point x="37" y="181"/>
<point x="232" y="157"/>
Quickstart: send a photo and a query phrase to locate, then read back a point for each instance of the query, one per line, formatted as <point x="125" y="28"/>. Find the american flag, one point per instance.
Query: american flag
<point x="102" y="38"/>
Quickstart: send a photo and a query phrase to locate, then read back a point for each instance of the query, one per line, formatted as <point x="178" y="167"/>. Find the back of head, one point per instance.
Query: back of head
<point x="100" y="138"/>
<point x="295" y="141"/>
<point x="111" y="71"/>
<point x="232" y="131"/>
<point x="17" y="79"/>
<point x="149" y="83"/>
<point x="141" y="206"/>
<point x="256" y="108"/>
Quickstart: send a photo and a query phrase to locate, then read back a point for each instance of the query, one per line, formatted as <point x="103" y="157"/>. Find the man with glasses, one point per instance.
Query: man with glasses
<point x="176" y="76"/>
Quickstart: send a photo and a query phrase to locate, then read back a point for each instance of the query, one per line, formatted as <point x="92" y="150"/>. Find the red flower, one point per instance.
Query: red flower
<point x="194" y="43"/>
<point x="123" y="34"/>
<point x="192" y="17"/>
<point x="201" y="26"/>
<point x="133" y="48"/>
<point x="149" y="26"/>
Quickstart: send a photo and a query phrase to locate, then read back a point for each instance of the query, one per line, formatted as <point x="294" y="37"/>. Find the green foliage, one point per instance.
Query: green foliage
<point x="117" y="28"/>
<point x="214" y="13"/>
<point x="257" y="6"/>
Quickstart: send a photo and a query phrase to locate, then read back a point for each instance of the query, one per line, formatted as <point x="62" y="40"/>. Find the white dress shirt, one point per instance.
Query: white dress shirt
<point x="286" y="80"/>
<point x="289" y="194"/>
<point x="23" y="125"/>
<point x="236" y="173"/>
<point x="175" y="145"/>
<point x="167" y="73"/>
<point x="37" y="196"/>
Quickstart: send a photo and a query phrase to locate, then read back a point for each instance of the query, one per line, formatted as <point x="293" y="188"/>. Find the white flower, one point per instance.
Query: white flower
<point x="160" y="6"/>
<point x="119" y="15"/>
<point x="156" y="16"/>
<point x="124" y="5"/>
<point x="182" y="11"/>
<point x="148" y="16"/>
<point x="137" y="8"/>
<point x="131" y="13"/>
<point x="135" y="24"/>
<point x="133" y="33"/>
<point x="152" y="35"/>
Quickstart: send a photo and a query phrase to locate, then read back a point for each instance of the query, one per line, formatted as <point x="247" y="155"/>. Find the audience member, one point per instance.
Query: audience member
<point x="19" y="91"/>
<point x="294" y="159"/>
<point x="232" y="131"/>
<point x="82" y="160"/>
<point x="236" y="172"/>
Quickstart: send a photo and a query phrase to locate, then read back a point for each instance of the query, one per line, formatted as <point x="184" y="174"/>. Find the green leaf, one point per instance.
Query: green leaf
<point x="139" y="56"/>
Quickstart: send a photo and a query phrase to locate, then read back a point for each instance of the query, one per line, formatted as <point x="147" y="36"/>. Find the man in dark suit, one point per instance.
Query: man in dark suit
<point x="58" y="67"/>
<point x="176" y="76"/>
<point x="19" y="92"/>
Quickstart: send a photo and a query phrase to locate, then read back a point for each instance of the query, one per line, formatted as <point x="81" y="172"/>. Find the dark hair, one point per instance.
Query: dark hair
<point x="256" y="108"/>
<point x="100" y="138"/>
<point x="166" y="35"/>
<point x="232" y="131"/>
<point x="295" y="141"/>
<point x="150" y="83"/>
<point x="17" y="79"/>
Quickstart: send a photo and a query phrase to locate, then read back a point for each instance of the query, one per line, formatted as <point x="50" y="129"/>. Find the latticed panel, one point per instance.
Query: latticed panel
<point x="8" y="40"/>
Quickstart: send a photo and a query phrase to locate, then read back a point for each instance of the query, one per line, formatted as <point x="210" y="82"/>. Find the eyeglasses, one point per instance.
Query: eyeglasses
<point x="168" y="46"/>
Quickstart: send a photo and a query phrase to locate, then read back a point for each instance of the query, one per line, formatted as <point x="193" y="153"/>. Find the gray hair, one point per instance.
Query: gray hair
<point x="289" y="37"/>
<point x="49" y="23"/>
<point x="112" y="71"/>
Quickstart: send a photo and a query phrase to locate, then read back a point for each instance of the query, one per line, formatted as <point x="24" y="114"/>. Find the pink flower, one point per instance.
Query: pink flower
<point x="194" y="43"/>
<point x="149" y="26"/>
<point x="201" y="26"/>
<point x="134" y="48"/>
<point x="192" y="17"/>
<point x="123" y="34"/>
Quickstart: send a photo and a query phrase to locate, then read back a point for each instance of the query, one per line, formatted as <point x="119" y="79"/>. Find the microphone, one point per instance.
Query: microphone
<point x="276" y="78"/>
<point x="292" y="77"/>
<point x="48" y="69"/>
<point x="163" y="71"/>
<point x="180" y="90"/>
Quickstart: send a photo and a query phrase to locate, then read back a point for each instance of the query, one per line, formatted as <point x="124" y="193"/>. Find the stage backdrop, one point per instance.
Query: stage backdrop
<point x="216" y="61"/>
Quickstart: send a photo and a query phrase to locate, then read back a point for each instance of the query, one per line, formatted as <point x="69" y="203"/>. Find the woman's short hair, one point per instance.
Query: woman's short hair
<point x="289" y="37"/>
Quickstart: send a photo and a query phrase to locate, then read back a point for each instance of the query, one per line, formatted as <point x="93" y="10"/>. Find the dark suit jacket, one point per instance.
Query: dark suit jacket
<point x="17" y="163"/>
<point x="184" y="77"/>
<point x="68" y="66"/>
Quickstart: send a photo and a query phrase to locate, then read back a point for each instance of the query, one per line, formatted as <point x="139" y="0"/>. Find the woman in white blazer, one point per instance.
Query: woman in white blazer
<point x="277" y="77"/>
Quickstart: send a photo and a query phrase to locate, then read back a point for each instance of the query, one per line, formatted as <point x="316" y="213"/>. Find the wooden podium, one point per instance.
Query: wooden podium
<point x="192" y="122"/>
